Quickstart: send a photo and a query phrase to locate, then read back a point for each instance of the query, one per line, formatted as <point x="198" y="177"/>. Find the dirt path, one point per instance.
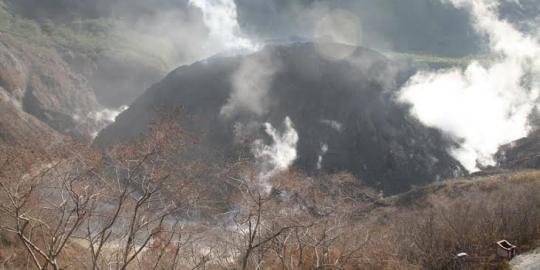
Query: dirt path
<point x="527" y="261"/>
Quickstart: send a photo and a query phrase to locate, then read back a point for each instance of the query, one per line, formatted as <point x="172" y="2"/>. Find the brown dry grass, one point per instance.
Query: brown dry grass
<point x="336" y="223"/>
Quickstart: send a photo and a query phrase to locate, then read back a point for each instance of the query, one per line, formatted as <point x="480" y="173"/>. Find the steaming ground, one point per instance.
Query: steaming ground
<point x="340" y="115"/>
<point x="478" y="108"/>
<point x="277" y="156"/>
<point x="485" y="105"/>
<point x="105" y="117"/>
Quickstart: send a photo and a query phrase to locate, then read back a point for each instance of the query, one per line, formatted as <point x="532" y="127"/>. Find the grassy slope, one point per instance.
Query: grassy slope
<point x="438" y="60"/>
<point x="470" y="215"/>
<point x="460" y="187"/>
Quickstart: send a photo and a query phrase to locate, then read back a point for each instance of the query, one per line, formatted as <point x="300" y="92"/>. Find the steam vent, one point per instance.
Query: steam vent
<point x="347" y="105"/>
<point x="270" y="134"/>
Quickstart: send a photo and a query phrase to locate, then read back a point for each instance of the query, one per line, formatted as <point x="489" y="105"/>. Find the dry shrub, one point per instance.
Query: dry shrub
<point x="471" y="223"/>
<point x="304" y="222"/>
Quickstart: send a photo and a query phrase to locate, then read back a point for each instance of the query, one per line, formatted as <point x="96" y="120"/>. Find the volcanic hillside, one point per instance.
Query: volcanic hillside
<point x="339" y="98"/>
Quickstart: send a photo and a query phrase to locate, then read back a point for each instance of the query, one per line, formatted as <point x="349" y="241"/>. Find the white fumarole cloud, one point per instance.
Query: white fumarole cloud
<point x="337" y="26"/>
<point x="107" y="115"/>
<point x="324" y="150"/>
<point x="335" y="125"/>
<point x="252" y="81"/>
<point x="104" y="117"/>
<point x="279" y="155"/>
<point x="483" y="105"/>
<point x="251" y="84"/>
<point x="221" y="18"/>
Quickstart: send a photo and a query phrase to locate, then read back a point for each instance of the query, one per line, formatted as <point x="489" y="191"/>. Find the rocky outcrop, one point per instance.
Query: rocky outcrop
<point x="20" y="128"/>
<point x="525" y="152"/>
<point x="38" y="82"/>
<point x="521" y="154"/>
<point x="346" y="104"/>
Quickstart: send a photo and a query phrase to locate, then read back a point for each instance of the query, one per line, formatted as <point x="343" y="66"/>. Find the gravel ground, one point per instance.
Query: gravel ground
<point x="528" y="261"/>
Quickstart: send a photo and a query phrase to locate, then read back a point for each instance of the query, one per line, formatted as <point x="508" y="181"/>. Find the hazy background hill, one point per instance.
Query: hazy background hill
<point x="387" y="24"/>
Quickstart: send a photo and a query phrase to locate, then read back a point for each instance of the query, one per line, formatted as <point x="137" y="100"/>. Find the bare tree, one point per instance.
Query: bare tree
<point x="111" y="208"/>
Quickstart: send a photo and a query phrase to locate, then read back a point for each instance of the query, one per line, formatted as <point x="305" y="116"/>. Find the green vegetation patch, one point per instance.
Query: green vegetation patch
<point x="440" y="60"/>
<point x="91" y="37"/>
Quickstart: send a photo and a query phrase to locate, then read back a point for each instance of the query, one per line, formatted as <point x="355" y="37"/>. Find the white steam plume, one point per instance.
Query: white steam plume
<point x="279" y="155"/>
<point x="337" y="126"/>
<point x="484" y="106"/>
<point x="221" y="18"/>
<point x="104" y="117"/>
<point x="337" y="27"/>
<point x="107" y="115"/>
<point x="324" y="150"/>
<point x="251" y="85"/>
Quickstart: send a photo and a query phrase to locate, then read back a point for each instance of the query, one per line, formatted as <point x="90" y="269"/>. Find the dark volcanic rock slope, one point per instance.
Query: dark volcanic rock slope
<point x="346" y="104"/>
<point x="521" y="154"/>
